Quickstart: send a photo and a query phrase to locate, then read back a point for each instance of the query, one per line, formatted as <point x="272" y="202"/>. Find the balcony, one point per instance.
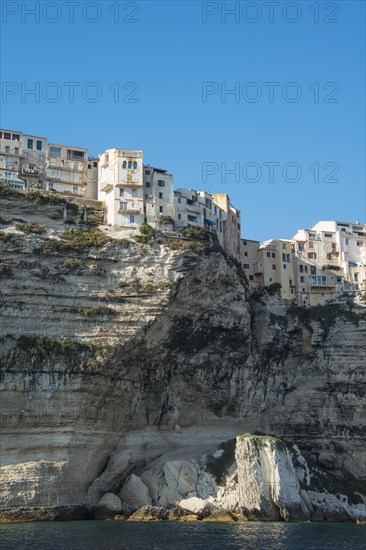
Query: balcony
<point x="29" y="172"/>
<point x="258" y="269"/>
<point x="128" y="211"/>
<point x="105" y="186"/>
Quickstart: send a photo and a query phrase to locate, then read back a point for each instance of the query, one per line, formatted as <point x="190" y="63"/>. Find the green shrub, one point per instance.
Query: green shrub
<point x="96" y="310"/>
<point x="193" y="232"/>
<point x="147" y="230"/>
<point x="36" y="228"/>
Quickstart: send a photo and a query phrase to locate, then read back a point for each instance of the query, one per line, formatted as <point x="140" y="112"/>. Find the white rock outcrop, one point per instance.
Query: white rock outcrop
<point x="134" y="494"/>
<point x="268" y="487"/>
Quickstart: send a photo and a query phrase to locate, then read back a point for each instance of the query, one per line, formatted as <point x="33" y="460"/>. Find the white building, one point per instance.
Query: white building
<point x="33" y="163"/>
<point x="331" y="259"/>
<point x="197" y="208"/>
<point x="121" y="186"/>
<point x="158" y="195"/>
<point x="66" y="168"/>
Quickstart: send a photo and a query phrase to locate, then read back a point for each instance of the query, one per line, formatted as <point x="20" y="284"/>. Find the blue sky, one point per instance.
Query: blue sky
<point x="168" y="53"/>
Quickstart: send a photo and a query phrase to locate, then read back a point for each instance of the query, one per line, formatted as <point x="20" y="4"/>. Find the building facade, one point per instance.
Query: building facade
<point x="198" y="209"/>
<point x="158" y="195"/>
<point x="121" y="186"/>
<point x="330" y="260"/>
<point x="232" y="224"/>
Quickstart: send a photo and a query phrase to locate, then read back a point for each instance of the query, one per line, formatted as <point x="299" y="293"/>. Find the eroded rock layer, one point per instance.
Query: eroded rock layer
<point x="124" y="359"/>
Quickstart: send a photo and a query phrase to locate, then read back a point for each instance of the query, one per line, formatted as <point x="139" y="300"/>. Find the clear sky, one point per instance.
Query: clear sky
<point x="160" y="56"/>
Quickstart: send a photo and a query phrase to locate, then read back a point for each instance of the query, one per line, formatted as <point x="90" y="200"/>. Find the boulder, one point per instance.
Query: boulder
<point x="134" y="494"/>
<point x="197" y="506"/>
<point x="108" y="506"/>
<point x="150" y="513"/>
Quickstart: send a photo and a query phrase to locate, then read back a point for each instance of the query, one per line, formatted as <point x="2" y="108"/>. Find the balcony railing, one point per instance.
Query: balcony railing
<point x="30" y="172"/>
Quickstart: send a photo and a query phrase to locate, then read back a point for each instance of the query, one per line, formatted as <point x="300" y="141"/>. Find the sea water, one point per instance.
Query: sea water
<point x="111" y="535"/>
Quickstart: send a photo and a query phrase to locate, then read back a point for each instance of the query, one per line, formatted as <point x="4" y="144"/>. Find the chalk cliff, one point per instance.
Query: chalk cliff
<point x="128" y="370"/>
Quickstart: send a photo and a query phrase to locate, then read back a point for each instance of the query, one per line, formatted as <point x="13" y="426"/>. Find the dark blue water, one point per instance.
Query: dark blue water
<point x="111" y="535"/>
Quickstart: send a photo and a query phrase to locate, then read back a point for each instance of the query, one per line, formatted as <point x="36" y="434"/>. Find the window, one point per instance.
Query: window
<point x="161" y="183"/>
<point x="7" y="135"/>
<point x="75" y="190"/>
<point x="55" y="151"/>
<point x="284" y="266"/>
<point x="25" y="155"/>
<point x="317" y="280"/>
<point x="135" y="165"/>
<point x="95" y="164"/>
<point x="121" y="192"/>
<point x="50" y="185"/>
<point x="161" y="209"/>
<point x="134" y="193"/>
<point x="301" y="246"/>
<point x="132" y="219"/>
<point x="339" y="280"/>
<point x="273" y="266"/>
<point x="313" y="270"/>
<point x="41" y="158"/>
<point x="245" y="253"/>
<point x="129" y="165"/>
<point x="288" y="257"/>
<point x="75" y="155"/>
<point x="39" y="145"/>
<point x="251" y="278"/>
<point x="123" y="205"/>
<point x="273" y="254"/>
<point x="347" y="241"/>
<point x="312" y="255"/>
<point x="355" y="277"/>
<point x="179" y="199"/>
<point x="311" y="244"/>
<point x="192" y="218"/>
<point x="147" y="184"/>
<point x="179" y="216"/>
<point x="246" y="266"/>
<point x="268" y="254"/>
<point x="306" y="268"/>
<point x="283" y="257"/>
<point x="124" y="165"/>
<point x="7" y="149"/>
<point x="328" y="235"/>
<point x="160" y="195"/>
<point x="302" y="279"/>
<point x="303" y="290"/>
<point x="270" y="279"/>
<point x="147" y="172"/>
<point x="30" y="143"/>
<point x="301" y="267"/>
<point x="16" y="150"/>
<point x="283" y="246"/>
<point x="359" y="243"/>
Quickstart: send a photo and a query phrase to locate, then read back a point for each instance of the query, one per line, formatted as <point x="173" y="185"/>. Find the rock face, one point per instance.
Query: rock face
<point x="130" y="368"/>
<point x="268" y="486"/>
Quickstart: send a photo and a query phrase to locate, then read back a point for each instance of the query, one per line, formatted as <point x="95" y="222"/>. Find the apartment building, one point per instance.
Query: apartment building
<point x="197" y="208"/>
<point x="330" y="259"/>
<point x="158" y="195"/>
<point x="276" y="265"/>
<point x="33" y="161"/>
<point x="66" y="169"/>
<point x="91" y="181"/>
<point x="10" y="158"/>
<point x="121" y="186"/>
<point x="249" y="257"/>
<point x="232" y="224"/>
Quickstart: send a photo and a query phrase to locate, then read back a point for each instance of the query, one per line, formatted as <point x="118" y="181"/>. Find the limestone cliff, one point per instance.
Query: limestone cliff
<point x="124" y="359"/>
